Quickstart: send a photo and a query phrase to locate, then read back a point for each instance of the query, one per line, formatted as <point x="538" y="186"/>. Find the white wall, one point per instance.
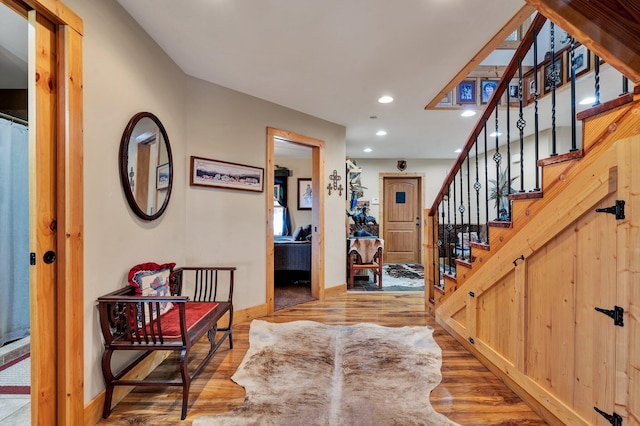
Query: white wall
<point x="125" y="72"/>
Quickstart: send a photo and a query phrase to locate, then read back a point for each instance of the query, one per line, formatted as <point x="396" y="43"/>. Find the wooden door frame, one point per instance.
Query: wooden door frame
<point x="317" y="212"/>
<point x="55" y="132"/>
<point x="421" y="179"/>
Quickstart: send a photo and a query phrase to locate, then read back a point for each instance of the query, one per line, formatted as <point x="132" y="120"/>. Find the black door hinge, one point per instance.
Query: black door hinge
<point x="473" y="342"/>
<point x="617" y="210"/>
<point x="614" y="418"/>
<point x="617" y="314"/>
<point x="472" y="294"/>
<point x="32" y="259"/>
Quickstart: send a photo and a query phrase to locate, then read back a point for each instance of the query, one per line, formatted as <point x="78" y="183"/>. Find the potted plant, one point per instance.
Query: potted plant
<point x="499" y="192"/>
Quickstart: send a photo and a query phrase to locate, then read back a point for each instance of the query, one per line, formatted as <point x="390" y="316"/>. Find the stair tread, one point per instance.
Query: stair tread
<point x="526" y="195"/>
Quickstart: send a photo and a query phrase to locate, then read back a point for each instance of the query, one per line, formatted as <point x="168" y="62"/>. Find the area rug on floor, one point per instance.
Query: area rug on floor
<point x="396" y="277"/>
<point x="308" y="373"/>
<point x="286" y="295"/>
<point x="15" y="376"/>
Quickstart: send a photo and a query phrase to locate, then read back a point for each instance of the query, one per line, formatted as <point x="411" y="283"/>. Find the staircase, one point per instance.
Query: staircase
<point x="550" y="302"/>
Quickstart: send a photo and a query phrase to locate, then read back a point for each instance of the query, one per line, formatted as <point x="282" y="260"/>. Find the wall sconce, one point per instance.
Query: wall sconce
<point x="334" y="178"/>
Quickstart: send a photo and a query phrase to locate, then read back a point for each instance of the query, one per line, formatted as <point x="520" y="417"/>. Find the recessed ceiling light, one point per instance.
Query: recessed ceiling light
<point x="458" y="151"/>
<point x="367" y="150"/>
<point x="381" y="133"/>
<point x="385" y="99"/>
<point x="495" y="134"/>
<point x="468" y="113"/>
<point x="589" y="100"/>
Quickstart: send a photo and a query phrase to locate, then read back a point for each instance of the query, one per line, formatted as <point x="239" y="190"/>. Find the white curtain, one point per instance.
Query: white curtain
<point x="14" y="232"/>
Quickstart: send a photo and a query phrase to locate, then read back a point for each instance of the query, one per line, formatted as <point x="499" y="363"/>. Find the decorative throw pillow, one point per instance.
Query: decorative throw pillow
<point x="151" y="279"/>
<point x="297" y="233"/>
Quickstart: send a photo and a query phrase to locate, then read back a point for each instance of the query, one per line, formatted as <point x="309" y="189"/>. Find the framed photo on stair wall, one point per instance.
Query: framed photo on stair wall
<point x="466" y="92"/>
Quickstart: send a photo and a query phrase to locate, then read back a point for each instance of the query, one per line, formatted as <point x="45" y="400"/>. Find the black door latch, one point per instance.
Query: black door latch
<point x="617" y="210"/>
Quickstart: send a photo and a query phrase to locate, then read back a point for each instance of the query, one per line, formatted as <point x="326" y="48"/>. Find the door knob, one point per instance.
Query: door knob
<point x="49" y="257"/>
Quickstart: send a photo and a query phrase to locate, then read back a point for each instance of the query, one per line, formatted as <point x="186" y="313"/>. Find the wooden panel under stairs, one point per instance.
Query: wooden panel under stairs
<point x="526" y="305"/>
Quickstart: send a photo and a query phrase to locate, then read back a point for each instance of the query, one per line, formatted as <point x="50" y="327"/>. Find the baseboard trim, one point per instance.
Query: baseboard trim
<point x="335" y="291"/>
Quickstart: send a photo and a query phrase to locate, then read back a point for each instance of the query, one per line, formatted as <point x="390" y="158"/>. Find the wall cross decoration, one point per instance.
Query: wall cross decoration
<point x="334" y="178"/>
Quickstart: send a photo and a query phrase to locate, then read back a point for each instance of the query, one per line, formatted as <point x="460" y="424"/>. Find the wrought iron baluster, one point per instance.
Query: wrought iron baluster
<point x="477" y="184"/>
<point x="455" y="216"/>
<point x="553" y="81"/>
<point x="444" y="233"/>
<point x="572" y="60"/>
<point x="497" y="157"/>
<point x="521" y="123"/>
<point x="469" y="199"/>
<point x="486" y="177"/>
<point x="596" y="68"/>
<point x="461" y="209"/>
<point x="449" y="227"/>
<point x="508" y="154"/>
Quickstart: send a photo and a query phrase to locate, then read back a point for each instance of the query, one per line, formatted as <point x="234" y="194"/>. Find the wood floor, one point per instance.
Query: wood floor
<point x="469" y="393"/>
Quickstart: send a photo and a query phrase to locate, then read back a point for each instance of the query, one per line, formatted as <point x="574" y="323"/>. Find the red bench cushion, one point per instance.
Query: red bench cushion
<point x="195" y="312"/>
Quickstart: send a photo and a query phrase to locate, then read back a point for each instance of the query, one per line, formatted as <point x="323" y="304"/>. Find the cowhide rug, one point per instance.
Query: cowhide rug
<point x="308" y="373"/>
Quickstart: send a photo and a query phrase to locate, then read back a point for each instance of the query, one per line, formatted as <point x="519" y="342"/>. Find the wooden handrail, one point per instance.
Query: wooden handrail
<point x="509" y="72"/>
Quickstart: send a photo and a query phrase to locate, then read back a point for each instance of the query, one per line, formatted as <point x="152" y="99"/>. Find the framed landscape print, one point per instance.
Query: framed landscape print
<point x="222" y="174"/>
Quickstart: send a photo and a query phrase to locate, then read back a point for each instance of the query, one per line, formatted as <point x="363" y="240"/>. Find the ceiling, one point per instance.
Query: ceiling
<point x="334" y="58"/>
<point x="331" y="59"/>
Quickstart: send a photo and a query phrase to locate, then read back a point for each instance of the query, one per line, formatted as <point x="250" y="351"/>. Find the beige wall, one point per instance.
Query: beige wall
<point x="126" y="72"/>
<point x="435" y="172"/>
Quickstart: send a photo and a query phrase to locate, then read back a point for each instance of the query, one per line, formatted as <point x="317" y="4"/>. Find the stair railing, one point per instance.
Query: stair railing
<point x="523" y="111"/>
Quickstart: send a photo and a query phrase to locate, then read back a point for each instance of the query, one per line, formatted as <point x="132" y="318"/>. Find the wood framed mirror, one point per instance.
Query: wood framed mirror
<point x="146" y="166"/>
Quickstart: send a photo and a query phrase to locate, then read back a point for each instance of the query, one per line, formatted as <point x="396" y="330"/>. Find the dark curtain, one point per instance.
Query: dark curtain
<point x="281" y="181"/>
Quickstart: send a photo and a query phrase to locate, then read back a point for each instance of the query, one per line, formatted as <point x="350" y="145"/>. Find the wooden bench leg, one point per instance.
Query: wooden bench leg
<point x="186" y="382"/>
<point x="108" y="380"/>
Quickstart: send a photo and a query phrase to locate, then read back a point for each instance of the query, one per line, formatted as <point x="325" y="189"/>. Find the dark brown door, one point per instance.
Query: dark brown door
<point x="401" y="219"/>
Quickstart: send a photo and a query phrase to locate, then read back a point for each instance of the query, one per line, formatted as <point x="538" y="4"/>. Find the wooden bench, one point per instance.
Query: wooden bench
<point x="131" y="321"/>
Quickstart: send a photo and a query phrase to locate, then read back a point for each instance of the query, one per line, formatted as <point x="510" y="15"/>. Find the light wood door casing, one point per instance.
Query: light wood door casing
<point x="401" y="219"/>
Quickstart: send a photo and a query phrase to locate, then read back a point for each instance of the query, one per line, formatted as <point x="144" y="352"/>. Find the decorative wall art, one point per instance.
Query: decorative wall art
<point x="487" y="88"/>
<point x="222" y="174"/>
<point x="305" y="194"/>
<point x="553" y="72"/>
<point x="581" y="59"/>
<point x="162" y="176"/>
<point x="467" y="92"/>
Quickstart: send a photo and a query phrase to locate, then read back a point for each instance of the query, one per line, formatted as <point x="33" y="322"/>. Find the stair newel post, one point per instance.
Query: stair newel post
<point x="596" y="68"/>
<point x="536" y="120"/>
<point x="521" y="122"/>
<point x="445" y="242"/>
<point x="553" y="80"/>
<point x="572" y="54"/>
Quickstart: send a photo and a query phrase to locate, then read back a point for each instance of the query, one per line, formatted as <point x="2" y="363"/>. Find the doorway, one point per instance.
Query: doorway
<point x="55" y="209"/>
<point x="401" y="199"/>
<point x="317" y="207"/>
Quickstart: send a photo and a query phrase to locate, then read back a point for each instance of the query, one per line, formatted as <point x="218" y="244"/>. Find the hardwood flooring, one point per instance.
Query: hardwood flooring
<point x="469" y="393"/>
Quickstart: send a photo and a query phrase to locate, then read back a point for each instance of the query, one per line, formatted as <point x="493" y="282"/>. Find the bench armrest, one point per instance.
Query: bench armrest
<point x="209" y="283"/>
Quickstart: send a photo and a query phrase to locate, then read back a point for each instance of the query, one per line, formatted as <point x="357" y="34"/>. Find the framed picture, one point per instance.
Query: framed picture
<point x="529" y="88"/>
<point x="447" y="100"/>
<point x="162" y="176"/>
<point x="553" y="70"/>
<point x="222" y="174"/>
<point x="467" y="92"/>
<point x="581" y="59"/>
<point x="487" y="87"/>
<point x="513" y="92"/>
<point x="305" y="194"/>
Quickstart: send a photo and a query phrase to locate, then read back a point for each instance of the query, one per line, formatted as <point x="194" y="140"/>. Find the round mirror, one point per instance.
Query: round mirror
<point x="146" y="166"/>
